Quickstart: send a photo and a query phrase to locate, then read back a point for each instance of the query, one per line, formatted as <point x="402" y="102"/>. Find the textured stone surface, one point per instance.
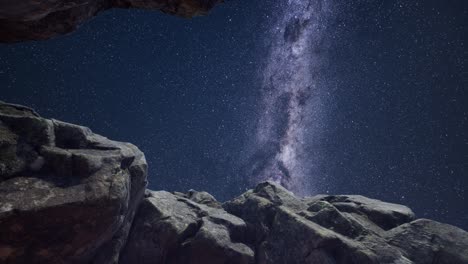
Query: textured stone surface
<point x="341" y="229"/>
<point x="426" y="241"/>
<point x="377" y="215"/>
<point x="174" y="228"/>
<point x="67" y="195"/>
<point x="34" y="20"/>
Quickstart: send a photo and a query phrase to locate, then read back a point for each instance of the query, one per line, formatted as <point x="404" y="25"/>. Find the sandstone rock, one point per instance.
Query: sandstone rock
<point x="34" y="20"/>
<point x="67" y="195"/>
<point x="171" y="228"/>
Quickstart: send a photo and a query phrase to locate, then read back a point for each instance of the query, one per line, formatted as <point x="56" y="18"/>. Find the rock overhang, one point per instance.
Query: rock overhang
<point x="38" y="20"/>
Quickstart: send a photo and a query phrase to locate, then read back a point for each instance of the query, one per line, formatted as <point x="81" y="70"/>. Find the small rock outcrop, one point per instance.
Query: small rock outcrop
<point x="426" y="241"/>
<point x="176" y="228"/>
<point x="67" y="195"/>
<point x="35" y="20"/>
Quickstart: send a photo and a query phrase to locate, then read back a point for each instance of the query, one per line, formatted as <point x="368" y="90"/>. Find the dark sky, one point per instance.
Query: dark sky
<point x="187" y="92"/>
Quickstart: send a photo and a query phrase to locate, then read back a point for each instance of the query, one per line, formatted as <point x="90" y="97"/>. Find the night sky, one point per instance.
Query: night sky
<point x="362" y="97"/>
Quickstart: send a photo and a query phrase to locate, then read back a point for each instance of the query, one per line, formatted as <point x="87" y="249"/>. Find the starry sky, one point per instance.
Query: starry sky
<point x="363" y="97"/>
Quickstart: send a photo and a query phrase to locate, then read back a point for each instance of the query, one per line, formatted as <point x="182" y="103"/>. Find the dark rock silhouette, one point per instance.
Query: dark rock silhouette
<point x="35" y="20"/>
<point x="68" y="195"/>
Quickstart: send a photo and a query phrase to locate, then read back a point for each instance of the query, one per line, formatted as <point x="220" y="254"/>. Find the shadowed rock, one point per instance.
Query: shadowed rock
<point x="174" y="228"/>
<point x="35" y="20"/>
<point x="67" y="195"/>
<point x="426" y="241"/>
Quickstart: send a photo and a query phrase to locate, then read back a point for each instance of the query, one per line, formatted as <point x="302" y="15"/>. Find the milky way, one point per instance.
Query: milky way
<point x="292" y="116"/>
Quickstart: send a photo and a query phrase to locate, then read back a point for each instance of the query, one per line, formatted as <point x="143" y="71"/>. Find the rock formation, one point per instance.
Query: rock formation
<point x="35" y="20"/>
<point x="176" y="228"/>
<point x="342" y="229"/>
<point x="68" y="195"/>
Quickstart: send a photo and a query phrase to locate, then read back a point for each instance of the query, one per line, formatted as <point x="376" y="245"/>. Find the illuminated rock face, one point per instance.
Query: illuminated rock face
<point x="269" y="225"/>
<point x="342" y="229"/>
<point x="36" y="20"/>
<point x="180" y="228"/>
<point x="68" y="195"/>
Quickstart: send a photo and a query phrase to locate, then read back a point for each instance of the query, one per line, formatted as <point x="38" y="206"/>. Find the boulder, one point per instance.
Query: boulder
<point x="67" y="195"/>
<point x="177" y="228"/>
<point x="426" y="242"/>
<point x="36" y="20"/>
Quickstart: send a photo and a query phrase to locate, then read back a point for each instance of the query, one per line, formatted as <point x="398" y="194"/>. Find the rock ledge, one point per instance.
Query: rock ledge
<point x="35" y="20"/>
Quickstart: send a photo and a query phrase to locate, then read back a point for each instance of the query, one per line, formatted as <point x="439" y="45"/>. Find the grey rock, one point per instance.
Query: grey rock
<point x="337" y="229"/>
<point x="67" y="195"/>
<point x="384" y="215"/>
<point x="427" y="242"/>
<point x="35" y="20"/>
<point x="201" y="198"/>
<point x="170" y="228"/>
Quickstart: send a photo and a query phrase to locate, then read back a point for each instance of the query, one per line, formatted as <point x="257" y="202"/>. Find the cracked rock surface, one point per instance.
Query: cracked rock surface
<point x="174" y="228"/>
<point x="35" y="20"/>
<point x="269" y="225"/>
<point x="342" y="229"/>
<point x="67" y="195"/>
